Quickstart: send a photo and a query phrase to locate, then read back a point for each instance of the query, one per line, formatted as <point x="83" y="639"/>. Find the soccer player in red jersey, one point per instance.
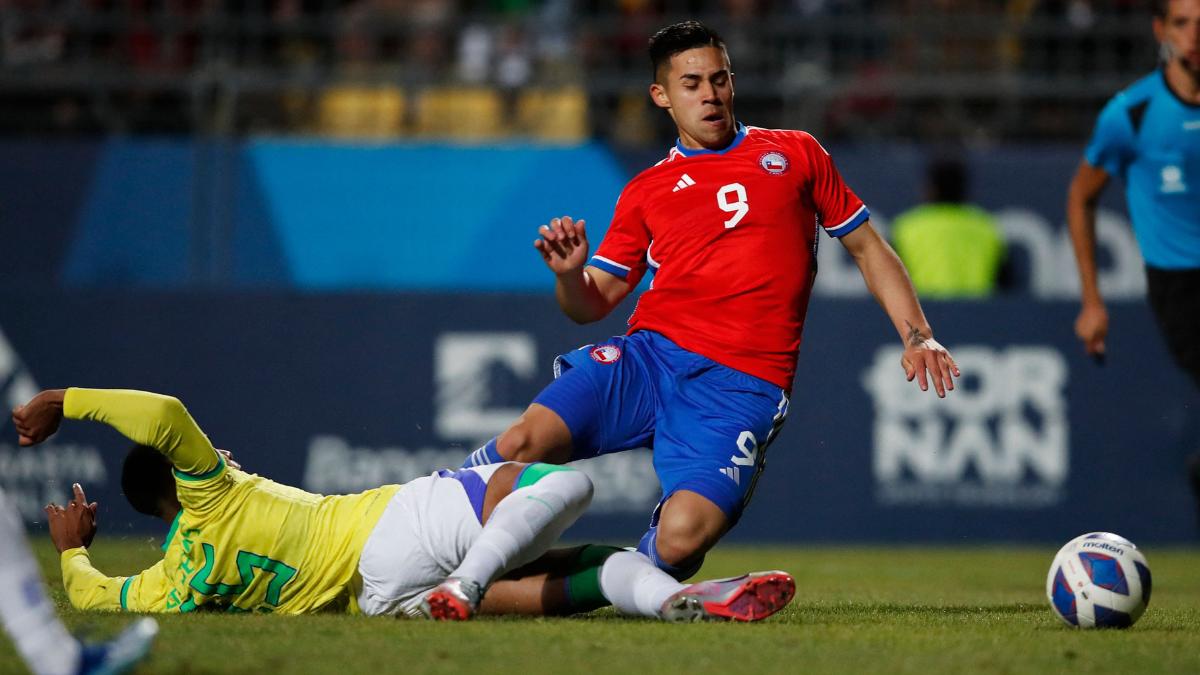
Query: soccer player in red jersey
<point x="727" y="224"/>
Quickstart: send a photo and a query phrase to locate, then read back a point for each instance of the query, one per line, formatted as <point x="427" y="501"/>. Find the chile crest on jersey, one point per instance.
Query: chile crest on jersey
<point x="774" y="163"/>
<point x="605" y="353"/>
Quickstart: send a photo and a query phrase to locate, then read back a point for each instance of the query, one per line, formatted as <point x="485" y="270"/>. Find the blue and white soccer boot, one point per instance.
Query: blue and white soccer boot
<point x="751" y="597"/>
<point x="122" y="653"/>
<point x="453" y="600"/>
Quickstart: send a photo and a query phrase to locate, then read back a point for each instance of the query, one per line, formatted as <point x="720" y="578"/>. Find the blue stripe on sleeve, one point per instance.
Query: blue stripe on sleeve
<point x="863" y="215"/>
<point x="609" y="267"/>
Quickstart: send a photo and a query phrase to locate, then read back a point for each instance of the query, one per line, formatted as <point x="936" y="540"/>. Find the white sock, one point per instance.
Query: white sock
<point x="634" y="585"/>
<point x="525" y="524"/>
<point x="47" y="647"/>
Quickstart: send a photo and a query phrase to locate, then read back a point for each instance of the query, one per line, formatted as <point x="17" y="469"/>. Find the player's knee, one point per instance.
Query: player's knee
<point x="520" y="444"/>
<point x="683" y="539"/>
<point x="576" y="486"/>
<point x="516" y="444"/>
<point x="572" y="486"/>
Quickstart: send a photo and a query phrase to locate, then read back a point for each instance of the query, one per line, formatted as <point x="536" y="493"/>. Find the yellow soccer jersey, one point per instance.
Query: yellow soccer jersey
<point x="241" y="542"/>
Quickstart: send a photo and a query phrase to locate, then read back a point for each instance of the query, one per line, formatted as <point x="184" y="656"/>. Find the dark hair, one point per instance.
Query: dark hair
<point x="1159" y="8"/>
<point x="947" y="181"/>
<point x="680" y="37"/>
<point x="146" y="479"/>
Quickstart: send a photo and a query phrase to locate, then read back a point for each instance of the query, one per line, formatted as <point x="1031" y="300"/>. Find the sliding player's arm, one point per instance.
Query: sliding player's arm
<point x="89" y="588"/>
<point x="72" y="529"/>
<point x="888" y="281"/>
<point x="158" y="421"/>
<point x="585" y="292"/>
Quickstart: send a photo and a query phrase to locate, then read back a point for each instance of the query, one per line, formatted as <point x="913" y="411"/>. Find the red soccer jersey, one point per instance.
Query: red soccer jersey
<point x="730" y="237"/>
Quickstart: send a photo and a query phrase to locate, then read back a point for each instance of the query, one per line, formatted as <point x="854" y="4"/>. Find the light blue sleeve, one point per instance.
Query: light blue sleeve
<point x="1112" y="144"/>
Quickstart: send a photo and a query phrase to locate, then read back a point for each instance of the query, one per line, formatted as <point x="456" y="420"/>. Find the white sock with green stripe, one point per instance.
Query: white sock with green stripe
<point x="47" y="647"/>
<point x="526" y="523"/>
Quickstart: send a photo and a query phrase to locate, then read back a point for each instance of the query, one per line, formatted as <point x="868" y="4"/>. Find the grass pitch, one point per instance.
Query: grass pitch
<point x="865" y="609"/>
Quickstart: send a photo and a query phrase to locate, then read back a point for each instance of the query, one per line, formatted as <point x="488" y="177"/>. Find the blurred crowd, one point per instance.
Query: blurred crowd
<point x="925" y="69"/>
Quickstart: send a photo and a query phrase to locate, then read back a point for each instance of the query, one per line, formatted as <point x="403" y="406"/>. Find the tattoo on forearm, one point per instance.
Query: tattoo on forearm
<point x="914" y="335"/>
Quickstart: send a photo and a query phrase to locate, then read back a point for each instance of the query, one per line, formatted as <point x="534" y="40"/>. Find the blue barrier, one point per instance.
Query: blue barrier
<point x="168" y="213"/>
<point x="277" y="214"/>
<point x="337" y="392"/>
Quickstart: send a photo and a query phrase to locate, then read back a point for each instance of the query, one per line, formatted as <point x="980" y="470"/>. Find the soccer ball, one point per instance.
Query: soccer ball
<point x="1099" y="580"/>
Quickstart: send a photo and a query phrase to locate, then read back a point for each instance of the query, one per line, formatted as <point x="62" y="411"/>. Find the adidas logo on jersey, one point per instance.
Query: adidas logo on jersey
<point x="685" y="181"/>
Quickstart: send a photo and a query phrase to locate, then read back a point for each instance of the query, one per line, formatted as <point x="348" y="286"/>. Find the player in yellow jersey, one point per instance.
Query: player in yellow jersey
<point x="240" y="542"/>
<point x="28" y="616"/>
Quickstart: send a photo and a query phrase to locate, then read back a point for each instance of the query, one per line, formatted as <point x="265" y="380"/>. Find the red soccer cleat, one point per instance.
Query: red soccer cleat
<point x="751" y="597"/>
<point x="453" y="600"/>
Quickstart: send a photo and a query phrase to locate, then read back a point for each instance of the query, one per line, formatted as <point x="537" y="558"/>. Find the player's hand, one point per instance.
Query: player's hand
<point x="75" y="525"/>
<point x="563" y="245"/>
<point x="229" y="460"/>
<point x="39" y="419"/>
<point x="925" y="359"/>
<point x="1091" y="326"/>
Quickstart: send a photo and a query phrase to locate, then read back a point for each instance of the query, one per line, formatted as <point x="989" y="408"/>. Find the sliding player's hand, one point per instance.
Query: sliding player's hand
<point x="927" y="360"/>
<point x="75" y="525"/>
<point x="229" y="460"/>
<point x="39" y="419"/>
<point x="563" y="245"/>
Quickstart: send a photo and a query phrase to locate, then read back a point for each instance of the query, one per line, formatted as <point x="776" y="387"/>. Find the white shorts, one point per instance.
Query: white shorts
<point x="420" y="539"/>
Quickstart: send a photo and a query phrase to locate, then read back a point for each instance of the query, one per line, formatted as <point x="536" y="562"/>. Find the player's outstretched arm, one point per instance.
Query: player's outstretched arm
<point x="72" y="529"/>
<point x="39" y="419"/>
<point x="90" y="589"/>
<point x="149" y="419"/>
<point x="584" y="294"/>
<point x="889" y="283"/>
<point x="1091" y="326"/>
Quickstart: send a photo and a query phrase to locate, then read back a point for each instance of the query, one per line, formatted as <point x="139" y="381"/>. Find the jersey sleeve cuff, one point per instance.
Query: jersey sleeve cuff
<point x="611" y="266"/>
<point x="125" y="592"/>
<point x="1096" y="159"/>
<point x="75" y="553"/>
<point x="850" y="224"/>
<point x="211" y="473"/>
<point x="76" y="403"/>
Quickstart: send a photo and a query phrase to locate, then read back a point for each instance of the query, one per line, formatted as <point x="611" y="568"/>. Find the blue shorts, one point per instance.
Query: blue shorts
<point x="708" y="425"/>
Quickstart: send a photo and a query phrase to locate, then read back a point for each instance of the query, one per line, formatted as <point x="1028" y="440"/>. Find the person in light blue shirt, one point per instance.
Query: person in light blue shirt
<point x="1149" y="136"/>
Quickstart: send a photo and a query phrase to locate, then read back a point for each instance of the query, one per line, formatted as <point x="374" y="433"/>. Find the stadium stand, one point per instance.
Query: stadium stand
<point x="933" y="70"/>
<point x="467" y="113"/>
<point x="361" y="112"/>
